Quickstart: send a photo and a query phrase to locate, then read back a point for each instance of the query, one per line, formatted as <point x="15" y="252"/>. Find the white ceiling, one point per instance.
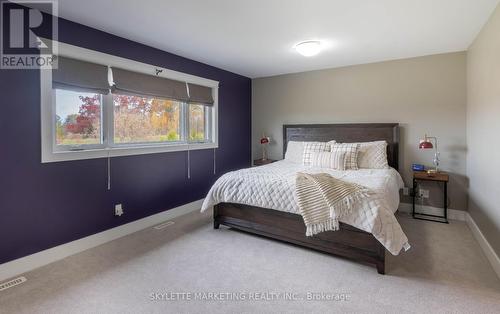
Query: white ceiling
<point x="255" y="38"/>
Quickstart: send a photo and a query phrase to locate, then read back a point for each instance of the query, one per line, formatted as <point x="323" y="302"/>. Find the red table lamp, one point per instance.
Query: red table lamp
<point x="426" y="143"/>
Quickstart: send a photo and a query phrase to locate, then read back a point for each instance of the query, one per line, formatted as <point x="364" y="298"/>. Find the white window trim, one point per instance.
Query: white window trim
<point x="47" y="108"/>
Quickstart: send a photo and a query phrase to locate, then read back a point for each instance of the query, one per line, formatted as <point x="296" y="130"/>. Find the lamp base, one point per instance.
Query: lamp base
<point x="432" y="172"/>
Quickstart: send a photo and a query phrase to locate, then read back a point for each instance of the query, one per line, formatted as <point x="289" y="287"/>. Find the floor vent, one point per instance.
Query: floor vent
<point x="12" y="283"/>
<point x="163" y="225"/>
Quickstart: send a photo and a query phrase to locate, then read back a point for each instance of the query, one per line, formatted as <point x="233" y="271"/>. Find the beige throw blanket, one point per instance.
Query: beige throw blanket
<point x="323" y="199"/>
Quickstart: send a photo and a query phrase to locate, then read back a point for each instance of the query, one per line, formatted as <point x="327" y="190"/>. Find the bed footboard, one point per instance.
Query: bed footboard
<point x="348" y="241"/>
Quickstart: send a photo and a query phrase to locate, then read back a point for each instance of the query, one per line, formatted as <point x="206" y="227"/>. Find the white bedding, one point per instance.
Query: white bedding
<point x="273" y="186"/>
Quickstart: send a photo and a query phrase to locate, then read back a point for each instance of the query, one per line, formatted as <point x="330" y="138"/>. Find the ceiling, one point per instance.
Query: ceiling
<point x="256" y="38"/>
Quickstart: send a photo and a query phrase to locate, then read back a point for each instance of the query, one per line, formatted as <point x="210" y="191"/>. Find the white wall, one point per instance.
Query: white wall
<point x="483" y="129"/>
<point x="425" y="95"/>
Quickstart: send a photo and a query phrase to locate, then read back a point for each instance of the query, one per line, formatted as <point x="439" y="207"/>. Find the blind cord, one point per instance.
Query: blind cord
<point x="187" y="90"/>
<point x="109" y="172"/>
<point x="214" y="162"/>
<point x="188" y="164"/>
<point x="188" y="156"/>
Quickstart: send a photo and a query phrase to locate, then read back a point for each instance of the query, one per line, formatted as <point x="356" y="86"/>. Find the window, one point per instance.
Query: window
<point x="78" y="118"/>
<point x="146" y="120"/>
<point x="96" y="105"/>
<point x="197" y="122"/>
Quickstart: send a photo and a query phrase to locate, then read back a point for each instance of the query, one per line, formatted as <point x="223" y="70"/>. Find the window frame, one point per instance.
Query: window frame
<point x="51" y="152"/>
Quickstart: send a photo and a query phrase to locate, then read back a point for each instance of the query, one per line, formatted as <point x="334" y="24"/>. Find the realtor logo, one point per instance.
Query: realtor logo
<point x="25" y="33"/>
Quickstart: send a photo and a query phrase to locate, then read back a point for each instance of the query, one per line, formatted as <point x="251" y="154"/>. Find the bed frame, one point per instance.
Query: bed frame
<point x="348" y="241"/>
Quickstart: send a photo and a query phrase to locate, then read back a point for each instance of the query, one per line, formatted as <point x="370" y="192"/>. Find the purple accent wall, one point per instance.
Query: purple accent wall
<point x="45" y="205"/>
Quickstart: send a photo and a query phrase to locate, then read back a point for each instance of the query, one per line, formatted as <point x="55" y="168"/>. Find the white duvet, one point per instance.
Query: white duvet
<point x="273" y="186"/>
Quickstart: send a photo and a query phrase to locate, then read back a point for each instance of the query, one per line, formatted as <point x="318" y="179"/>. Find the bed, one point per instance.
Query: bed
<point x="260" y="200"/>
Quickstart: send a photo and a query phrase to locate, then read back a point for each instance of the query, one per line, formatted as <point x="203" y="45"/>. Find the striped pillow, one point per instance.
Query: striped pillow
<point x="351" y="157"/>
<point x="310" y="147"/>
<point x="333" y="160"/>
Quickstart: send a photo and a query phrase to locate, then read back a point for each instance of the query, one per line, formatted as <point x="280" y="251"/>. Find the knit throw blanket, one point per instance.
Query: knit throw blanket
<point x="323" y="199"/>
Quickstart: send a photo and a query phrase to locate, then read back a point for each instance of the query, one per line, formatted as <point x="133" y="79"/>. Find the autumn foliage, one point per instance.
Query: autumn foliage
<point x="136" y="120"/>
<point x="139" y="119"/>
<point x="88" y="118"/>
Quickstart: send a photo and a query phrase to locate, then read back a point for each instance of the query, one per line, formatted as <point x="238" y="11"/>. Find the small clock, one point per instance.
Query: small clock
<point x="417" y="167"/>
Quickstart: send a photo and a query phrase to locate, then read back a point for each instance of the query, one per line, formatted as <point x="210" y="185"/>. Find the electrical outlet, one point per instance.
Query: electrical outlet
<point x="423" y="193"/>
<point x="406" y="190"/>
<point x="118" y="210"/>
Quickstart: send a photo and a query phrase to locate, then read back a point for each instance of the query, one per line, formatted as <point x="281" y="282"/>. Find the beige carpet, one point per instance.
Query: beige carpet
<point x="444" y="272"/>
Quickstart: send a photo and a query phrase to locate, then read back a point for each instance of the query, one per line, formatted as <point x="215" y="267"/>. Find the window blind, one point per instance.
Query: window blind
<point x="134" y="83"/>
<point x="200" y="94"/>
<point x="81" y="76"/>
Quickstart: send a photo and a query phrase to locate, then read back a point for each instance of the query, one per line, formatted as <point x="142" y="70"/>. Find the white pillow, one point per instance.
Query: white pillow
<point x="334" y="160"/>
<point x="294" y="152"/>
<point x="310" y="147"/>
<point x="373" y="155"/>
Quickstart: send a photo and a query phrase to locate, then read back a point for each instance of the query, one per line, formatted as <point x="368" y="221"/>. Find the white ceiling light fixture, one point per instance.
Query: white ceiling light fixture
<point x="308" y="48"/>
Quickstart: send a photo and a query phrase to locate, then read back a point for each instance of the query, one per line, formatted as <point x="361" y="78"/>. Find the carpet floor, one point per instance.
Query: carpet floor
<point x="190" y="268"/>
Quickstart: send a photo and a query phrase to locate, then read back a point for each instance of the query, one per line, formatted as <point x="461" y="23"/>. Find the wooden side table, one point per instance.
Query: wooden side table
<point x="261" y="162"/>
<point x="439" y="177"/>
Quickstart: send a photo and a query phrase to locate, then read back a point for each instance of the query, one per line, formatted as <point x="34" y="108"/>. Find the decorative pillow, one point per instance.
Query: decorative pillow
<point x="294" y="151"/>
<point x="310" y="147"/>
<point x="334" y="160"/>
<point x="373" y="155"/>
<point x="351" y="156"/>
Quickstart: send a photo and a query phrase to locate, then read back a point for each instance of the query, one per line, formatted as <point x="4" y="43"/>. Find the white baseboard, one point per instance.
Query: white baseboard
<point x="488" y="250"/>
<point x="453" y="214"/>
<point x="30" y="262"/>
<point x="461" y="215"/>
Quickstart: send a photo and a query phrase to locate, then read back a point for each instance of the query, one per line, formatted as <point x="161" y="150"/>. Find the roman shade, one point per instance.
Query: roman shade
<point x="134" y="83"/>
<point x="80" y="76"/>
<point x="200" y="94"/>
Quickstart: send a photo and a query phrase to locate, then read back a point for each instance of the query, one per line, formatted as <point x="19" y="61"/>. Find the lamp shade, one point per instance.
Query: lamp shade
<point x="265" y="140"/>
<point x="425" y="144"/>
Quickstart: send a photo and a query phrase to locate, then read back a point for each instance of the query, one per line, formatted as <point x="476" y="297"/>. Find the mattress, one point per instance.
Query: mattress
<point x="273" y="186"/>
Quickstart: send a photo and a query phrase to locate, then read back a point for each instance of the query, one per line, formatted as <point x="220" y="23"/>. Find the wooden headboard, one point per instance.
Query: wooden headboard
<point x="346" y="133"/>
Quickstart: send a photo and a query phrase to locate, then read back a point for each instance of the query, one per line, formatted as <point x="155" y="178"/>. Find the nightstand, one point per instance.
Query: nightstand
<point x="439" y="177"/>
<point x="261" y="162"/>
